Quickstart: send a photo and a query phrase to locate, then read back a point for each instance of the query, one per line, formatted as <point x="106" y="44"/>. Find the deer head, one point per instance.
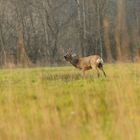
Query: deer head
<point x="68" y="55"/>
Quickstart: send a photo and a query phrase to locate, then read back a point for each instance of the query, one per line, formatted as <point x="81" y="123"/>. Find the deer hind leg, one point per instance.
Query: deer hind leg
<point x="101" y="68"/>
<point x="83" y="74"/>
<point x="98" y="73"/>
<point x="94" y="67"/>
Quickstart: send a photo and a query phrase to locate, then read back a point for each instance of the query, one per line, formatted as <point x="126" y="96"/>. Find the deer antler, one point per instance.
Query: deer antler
<point x="69" y="50"/>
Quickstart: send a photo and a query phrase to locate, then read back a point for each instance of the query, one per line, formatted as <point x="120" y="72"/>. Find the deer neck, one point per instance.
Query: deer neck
<point x="75" y="62"/>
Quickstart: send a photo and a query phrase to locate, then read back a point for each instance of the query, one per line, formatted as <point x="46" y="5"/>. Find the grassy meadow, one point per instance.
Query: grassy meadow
<point x="57" y="104"/>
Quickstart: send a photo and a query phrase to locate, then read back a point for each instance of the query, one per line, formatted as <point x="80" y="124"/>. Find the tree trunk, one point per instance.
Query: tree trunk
<point x="99" y="29"/>
<point x="106" y="40"/>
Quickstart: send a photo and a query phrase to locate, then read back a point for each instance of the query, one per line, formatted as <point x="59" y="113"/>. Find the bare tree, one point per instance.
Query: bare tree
<point x="41" y="30"/>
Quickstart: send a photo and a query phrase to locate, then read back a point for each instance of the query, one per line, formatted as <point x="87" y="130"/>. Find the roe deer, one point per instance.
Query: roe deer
<point x="85" y="63"/>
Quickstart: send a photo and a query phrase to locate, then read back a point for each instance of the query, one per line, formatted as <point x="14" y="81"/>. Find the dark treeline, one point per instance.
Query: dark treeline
<point x="38" y="32"/>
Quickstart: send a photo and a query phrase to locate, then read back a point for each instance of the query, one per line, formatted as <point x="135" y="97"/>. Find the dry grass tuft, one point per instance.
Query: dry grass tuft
<point x="57" y="104"/>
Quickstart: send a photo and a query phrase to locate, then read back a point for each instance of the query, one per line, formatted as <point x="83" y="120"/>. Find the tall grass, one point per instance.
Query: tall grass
<point x="57" y="104"/>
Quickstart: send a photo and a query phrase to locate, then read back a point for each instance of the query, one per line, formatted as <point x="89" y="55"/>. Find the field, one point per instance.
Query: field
<point x="57" y="104"/>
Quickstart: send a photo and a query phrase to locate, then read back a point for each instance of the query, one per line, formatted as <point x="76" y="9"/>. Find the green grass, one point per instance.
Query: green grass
<point x="57" y="104"/>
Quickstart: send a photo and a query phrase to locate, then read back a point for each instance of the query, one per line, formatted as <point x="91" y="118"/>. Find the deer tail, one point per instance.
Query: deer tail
<point x="100" y="62"/>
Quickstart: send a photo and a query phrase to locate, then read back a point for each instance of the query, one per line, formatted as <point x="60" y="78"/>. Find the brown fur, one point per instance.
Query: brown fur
<point x="86" y="63"/>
